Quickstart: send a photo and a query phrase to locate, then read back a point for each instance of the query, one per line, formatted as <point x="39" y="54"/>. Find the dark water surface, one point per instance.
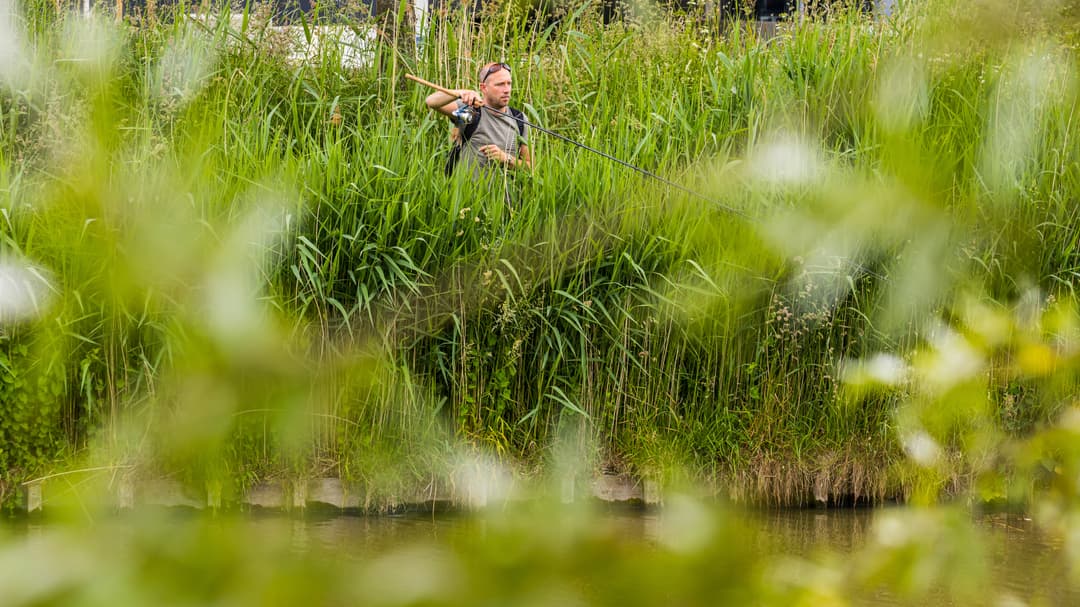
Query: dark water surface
<point x="1027" y="566"/>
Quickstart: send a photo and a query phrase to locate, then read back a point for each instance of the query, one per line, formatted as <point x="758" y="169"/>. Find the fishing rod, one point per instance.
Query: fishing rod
<point x="466" y="114"/>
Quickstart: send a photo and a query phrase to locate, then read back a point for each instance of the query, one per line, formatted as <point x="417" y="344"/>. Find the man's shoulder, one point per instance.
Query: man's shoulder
<point x="519" y="120"/>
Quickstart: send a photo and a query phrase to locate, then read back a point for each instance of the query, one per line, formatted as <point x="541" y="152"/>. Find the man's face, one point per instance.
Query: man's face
<point x="496" y="89"/>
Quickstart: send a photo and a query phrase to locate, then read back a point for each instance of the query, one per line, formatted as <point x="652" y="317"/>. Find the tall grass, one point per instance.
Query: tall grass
<point x="257" y="268"/>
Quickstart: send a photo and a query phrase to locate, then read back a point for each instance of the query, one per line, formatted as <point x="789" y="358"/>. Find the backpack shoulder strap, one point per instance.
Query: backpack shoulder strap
<point x="516" y="113"/>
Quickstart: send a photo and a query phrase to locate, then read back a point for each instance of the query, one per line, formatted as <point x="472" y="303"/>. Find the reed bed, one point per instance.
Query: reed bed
<point x="242" y="266"/>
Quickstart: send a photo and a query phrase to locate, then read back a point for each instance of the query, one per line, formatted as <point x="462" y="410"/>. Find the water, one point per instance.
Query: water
<point x="1026" y="566"/>
<point x="1025" y="563"/>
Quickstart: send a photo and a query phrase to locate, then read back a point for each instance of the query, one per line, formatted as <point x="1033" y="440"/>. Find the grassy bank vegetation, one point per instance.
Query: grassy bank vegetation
<point x="226" y="266"/>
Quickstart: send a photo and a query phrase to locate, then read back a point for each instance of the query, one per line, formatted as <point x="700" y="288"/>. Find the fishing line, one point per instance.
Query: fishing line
<point x="857" y="266"/>
<point x="622" y="162"/>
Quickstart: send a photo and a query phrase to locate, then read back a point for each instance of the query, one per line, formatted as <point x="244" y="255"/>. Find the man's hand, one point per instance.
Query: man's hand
<point x="495" y="153"/>
<point x="472" y="98"/>
<point x="445" y="101"/>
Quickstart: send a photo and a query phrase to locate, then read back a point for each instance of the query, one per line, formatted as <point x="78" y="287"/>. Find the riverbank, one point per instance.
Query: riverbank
<point x="113" y="491"/>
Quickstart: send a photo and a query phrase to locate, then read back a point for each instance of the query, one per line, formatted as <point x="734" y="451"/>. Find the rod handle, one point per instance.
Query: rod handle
<point x="432" y="85"/>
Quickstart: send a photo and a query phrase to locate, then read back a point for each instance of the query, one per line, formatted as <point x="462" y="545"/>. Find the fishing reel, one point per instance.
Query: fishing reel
<point x="465" y="114"/>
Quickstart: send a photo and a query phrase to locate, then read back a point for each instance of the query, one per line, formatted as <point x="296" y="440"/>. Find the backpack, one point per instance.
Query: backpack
<point x="467" y="133"/>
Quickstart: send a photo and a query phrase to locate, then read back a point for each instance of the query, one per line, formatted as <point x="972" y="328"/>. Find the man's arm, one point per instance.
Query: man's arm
<point x="524" y="157"/>
<point x="446" y="104"/>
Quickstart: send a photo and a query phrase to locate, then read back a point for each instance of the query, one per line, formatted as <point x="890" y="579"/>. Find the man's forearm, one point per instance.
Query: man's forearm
<point x="438" y="99"/>
<point x="523" y="159"/>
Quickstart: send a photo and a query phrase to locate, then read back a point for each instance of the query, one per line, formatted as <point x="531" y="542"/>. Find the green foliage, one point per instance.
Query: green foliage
<point x="226" y="223"/>
<point x="33" y="393"/>
<point x="252" y="270"/>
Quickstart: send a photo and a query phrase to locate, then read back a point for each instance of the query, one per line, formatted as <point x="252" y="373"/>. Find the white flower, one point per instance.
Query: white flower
<point x="785" y="162"/>
<point x="24" y="291"/>
<point x="922" y="448"/>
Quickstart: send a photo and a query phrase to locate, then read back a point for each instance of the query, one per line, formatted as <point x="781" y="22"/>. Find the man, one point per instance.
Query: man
<point x="497" y="140"/>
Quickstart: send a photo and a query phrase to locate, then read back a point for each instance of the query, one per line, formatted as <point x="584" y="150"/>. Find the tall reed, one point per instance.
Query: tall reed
<point x="259" y="262"/>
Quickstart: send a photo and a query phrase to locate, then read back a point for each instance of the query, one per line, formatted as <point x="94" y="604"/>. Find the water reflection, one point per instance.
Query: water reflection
<point x="1026" y="565"/>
